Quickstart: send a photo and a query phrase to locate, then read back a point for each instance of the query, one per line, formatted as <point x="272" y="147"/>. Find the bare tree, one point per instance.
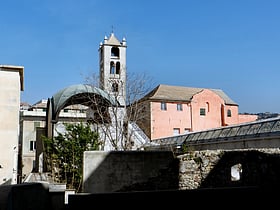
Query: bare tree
<point x="119" y="131"/>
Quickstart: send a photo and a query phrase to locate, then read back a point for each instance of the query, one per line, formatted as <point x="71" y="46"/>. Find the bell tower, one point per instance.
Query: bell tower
<point x="112" y="67"/>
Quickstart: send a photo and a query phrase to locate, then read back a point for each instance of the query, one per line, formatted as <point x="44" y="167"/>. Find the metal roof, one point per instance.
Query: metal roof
<point x="79" y="94"/>
<point x="256" y="129"/>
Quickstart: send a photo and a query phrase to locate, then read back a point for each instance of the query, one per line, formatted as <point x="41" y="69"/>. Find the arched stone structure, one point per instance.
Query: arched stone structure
<point x="76" y="94"/>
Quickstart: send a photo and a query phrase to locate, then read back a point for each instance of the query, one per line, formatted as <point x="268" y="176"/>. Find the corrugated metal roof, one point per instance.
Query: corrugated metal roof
<point x="181" y="93"/>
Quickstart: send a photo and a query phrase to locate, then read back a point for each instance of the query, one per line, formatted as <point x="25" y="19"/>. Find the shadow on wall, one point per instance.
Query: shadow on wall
<point x="125" y="171"/>
<point x="245" y="169"/>
<point x="150" y="179"/>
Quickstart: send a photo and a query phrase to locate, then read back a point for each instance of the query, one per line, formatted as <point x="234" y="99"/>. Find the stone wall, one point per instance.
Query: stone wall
<point x="124" y="171"/>
<point x="232" y="168"/>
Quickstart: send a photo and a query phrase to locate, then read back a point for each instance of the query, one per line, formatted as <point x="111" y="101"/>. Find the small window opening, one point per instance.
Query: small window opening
<point x="115" y="87"/>
<point x="115" y="52"/>
<point x="163" y="106"/>
<point x="236" y="172"/>
<point x="118" y="68"/>
<point x="176" y="131"/>
<point x="229" y="113"/>
<point x="179" y="107"/>
<point x="32" y="145"/>
<point x="112" y="68"/>
<point x="202" y="112"/>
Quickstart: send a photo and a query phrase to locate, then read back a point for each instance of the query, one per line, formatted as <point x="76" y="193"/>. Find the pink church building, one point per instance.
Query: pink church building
<point x="172" y="110"/>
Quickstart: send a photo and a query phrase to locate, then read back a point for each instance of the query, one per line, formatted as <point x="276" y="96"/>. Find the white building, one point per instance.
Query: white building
<point x="32" y="126"/>
<point x="11" y="85"/>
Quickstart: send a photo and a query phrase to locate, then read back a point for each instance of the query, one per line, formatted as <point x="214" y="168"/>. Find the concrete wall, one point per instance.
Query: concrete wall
<point x="11" y="83"/>
<point x="32" y="196"/>
<point x="129" y="171"/>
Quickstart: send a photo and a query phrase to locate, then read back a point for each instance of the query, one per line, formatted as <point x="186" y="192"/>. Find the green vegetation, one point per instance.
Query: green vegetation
<point x="64" y="153"/>
<point x="187" y="148"/>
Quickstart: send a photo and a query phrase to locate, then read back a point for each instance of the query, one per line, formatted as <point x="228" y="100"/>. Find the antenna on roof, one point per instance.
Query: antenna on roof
<point x="112" y="29"/>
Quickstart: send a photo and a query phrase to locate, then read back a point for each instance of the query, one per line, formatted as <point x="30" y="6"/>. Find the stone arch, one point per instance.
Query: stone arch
<point x="76" y="94"/>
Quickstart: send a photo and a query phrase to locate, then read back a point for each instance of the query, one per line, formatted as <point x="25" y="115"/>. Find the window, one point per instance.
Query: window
<point x="202" y="112"/>
<point x="115" y="87"/>
<point x="187" y="130"/>
<point x="101" y="54"/>
<point x="112" y="68"/>
<point x="163" y="106"/>
<point x="32" y="145"/>
<point x="229" y="113"/>
<point x="115" y="52"/>
<point x="179" y="107"/>
<point x="176" y="131"/>
<point x="208" y="106"/>
<point x="118" y="68"/>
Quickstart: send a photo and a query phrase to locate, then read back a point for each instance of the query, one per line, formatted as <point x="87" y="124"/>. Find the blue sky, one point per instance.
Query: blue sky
<point x="233" y="45"/>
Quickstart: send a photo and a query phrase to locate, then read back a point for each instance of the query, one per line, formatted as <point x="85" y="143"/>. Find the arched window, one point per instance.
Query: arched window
<point x="208" y="106"/>
<point x="118" y="68"/>
<point x="115" y="52"/>
<point x="115" y="87"/>
<point x="112" y="67"/>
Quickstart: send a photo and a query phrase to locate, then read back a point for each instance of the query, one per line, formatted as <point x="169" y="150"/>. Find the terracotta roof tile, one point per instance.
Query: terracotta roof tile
<point x="181" y="93"/>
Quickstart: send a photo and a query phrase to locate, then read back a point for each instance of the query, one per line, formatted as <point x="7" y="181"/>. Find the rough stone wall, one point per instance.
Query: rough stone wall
<point x="213" y="168"/>
<point x="195" y="166"/>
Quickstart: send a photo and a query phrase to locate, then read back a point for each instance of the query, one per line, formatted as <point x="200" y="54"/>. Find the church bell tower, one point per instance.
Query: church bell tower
<point x="112" y="67"/>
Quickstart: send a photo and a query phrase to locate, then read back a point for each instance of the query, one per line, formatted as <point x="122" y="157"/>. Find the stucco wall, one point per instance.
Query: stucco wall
<point x="242" y="118"/>
<point x="212" y="104"/>
<point x="164" y="121"/>
<point x="10" y="87"/>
